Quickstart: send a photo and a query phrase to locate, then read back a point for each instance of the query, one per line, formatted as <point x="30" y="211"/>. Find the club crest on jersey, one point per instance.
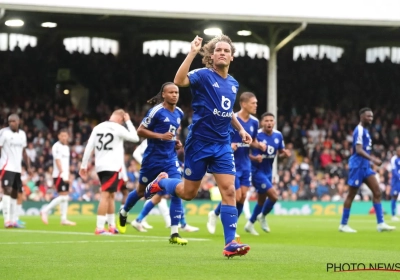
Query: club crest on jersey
<point x="178" y="120"/>
<point x="145" y="180"/>
<point x="147" y="120"/>
<point x="263" y="186"/>
<point x="276" y="140"/>
<point x="188" y="172"/>
<point x="234" y="89"/>
<point x="251" y="129"/>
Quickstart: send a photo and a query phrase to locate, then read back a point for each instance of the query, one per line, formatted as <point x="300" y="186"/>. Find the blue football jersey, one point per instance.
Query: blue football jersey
<point x="395" y="162"/>
<point x="274" y="143"/>
<point x="213" y="100"/>
<point x="242" y="159"/>
<point x="360" y="137"/>
<point x="160" y="120"/>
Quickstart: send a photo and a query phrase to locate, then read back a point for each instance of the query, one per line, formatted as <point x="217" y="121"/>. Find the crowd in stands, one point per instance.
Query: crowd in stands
<point x="318" y="110"/>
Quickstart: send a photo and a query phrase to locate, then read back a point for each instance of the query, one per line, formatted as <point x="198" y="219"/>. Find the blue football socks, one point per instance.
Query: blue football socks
<point x="256" y="212"/>
<point x="378" y="212"/>
<point x="169" y="184"/>
<point x="217" y="210"/>
<point x="229" y="222"/>
<point x="131" y="200"/>
<point x="145" y="211"/>
<point x="175" y="210"/>
<point x="267" y="207"/>
<point x="345" y="216"/>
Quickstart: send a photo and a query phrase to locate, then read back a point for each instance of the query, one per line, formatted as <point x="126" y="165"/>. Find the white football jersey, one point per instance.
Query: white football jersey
<point x="61" y="152"/>
<point x="107" y="140"/>
<point x="12" y="146"/>
<point x="139" y="151"/>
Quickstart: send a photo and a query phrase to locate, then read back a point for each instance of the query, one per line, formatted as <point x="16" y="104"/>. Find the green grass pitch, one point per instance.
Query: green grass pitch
<point x="298" y="247"/>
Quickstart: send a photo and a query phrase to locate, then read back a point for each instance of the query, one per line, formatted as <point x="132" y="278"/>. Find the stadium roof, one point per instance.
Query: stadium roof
<point x="360" y="23"/>
<point x="354" y="12"/>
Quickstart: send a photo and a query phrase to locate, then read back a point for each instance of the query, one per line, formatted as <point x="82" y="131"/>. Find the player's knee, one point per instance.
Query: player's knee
<point x="228" y="193"/>
<point x="241" y="198"/>
<point x="377" y="194"/>
<point x="274" y="198"/>
<point x="140" y="192"/>
<point x="7" y="190"/>
<point x="189" y="195"/>
<point x="14" y="194"/>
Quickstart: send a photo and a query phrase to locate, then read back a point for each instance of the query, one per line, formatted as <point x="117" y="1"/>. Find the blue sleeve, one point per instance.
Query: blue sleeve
<point x="281" y="143"/>
<point x="195" y="78"/>
<point x="255" y="131"/>
<point x="150" y="119"/>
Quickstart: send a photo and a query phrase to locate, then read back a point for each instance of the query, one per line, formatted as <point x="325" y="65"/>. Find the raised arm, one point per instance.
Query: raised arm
<point x="181" y="79"/>
<point x="130" y="134"/>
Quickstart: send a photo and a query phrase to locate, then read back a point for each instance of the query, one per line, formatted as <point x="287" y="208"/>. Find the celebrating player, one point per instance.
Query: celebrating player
<point x="248" y="105"/>
<point x="261" y="171"/>
<point x="107" y="139"/>
<point x="61" y="155"/>
<point x="12" y="147"/>
<point x="360" y="171"/>
<point x="208" y="143"/>
<point x="159" y="127"/>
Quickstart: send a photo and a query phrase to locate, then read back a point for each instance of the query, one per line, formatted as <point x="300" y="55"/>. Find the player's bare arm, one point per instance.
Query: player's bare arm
<point x="258" y="145"/>
<point x="257" y="158"/>
<point x="178" y="144"/>
<point x="26" y="159"/>
<point x="147" y="133"/>
<point x="130" y="134"/>
<point x="181" y="79"/>
<point x="360" y="151"/>
<point x="234" y="146"/>
<point x="246" y="138"/>
<point x="86" y="155"/>
<point x="285" y="153"/>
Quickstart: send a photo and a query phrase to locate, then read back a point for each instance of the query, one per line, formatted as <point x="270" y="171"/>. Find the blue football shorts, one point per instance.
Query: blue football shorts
<point x="358" y="175"/>
<point x="262" y="181"/>
<point x="211" y="157"/>
<point x="242" y="178"/>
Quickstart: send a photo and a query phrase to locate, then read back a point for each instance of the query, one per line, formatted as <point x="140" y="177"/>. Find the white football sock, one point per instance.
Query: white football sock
<point x="64" y="207"/>
<point x="174" y="229"/>
<point x="20" y="210"/>
<point x="13" y="211"/>
<point x="6" y="208"/>
<point x="101" y="220"/>
<point x="110" y="220"/>
<point x="53" y="203"/>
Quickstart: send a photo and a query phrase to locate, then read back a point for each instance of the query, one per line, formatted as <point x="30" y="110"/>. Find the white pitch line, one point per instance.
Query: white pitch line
<point x="92" y="234"/>
<point x="78" y="241"/>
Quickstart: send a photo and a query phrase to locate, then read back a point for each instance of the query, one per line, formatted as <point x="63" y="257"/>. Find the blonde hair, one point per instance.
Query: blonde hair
<point x="119" y="112"/>
<point x="208" y="49"/>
